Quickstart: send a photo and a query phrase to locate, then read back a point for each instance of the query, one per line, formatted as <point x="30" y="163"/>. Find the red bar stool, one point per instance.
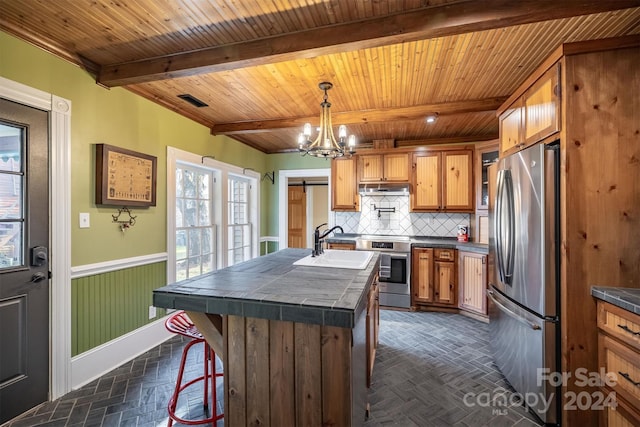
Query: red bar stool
<point x="179" y="323"/>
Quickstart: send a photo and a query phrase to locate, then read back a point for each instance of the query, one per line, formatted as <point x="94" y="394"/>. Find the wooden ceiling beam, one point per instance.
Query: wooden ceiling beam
<point x="435" y="21"/>
<point x="362" y="117"/>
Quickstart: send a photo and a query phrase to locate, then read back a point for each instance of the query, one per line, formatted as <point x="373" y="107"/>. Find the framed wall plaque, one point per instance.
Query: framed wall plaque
<point x="124" y="177"/>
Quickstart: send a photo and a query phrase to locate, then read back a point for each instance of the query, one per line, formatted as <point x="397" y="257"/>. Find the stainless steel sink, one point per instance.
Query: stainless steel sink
<point x="355" y="260"/>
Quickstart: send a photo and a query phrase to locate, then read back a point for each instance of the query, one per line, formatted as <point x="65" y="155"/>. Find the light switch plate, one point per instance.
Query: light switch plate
<point x="84" y="220"/>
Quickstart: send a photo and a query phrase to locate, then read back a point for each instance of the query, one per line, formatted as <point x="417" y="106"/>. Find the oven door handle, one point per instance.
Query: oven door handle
<point x="385" y="266"/>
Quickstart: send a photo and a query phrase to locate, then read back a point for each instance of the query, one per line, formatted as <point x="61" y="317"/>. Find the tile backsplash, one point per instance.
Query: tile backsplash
<point x="401" y="222"/>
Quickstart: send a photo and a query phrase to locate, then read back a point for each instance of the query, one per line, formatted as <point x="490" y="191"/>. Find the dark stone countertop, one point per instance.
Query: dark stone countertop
<point x="422" y="242"/>
<point x="271" y="287"/>
<point x="625" y="298"/>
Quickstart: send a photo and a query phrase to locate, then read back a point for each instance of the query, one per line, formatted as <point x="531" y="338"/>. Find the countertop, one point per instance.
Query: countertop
<point x="271" y="287"/>
<point x="421" y="242"/>
<point x="625" y="298"/>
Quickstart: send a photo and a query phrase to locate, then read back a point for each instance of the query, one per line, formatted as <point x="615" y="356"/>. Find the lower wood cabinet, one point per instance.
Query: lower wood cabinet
<point x="619" y="354"/>
<point x="473" y="281"/>
<point x="373" y="325"/>
<point x="445" y="275"/>
<point x="342" y="246"/>
<point x="434" y="277"/>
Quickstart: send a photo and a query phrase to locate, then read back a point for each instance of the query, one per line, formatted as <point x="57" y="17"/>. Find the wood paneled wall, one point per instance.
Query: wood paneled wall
<point x="108" y="305"/>
<point x="290" y="373"/>
<point x="600" y="211"/>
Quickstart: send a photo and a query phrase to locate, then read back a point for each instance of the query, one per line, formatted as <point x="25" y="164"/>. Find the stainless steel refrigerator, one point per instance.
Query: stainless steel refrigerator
<point x="524" y="289"/>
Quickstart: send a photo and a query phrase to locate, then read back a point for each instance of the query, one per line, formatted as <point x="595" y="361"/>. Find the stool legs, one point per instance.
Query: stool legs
<point x="209" y="375"/>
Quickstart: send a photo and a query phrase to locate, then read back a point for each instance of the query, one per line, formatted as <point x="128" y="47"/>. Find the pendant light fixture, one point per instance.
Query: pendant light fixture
<point x="325" y="144"/>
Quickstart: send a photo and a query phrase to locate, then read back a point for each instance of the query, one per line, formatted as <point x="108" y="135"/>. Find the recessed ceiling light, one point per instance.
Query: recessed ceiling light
<point x="431" y="118"/>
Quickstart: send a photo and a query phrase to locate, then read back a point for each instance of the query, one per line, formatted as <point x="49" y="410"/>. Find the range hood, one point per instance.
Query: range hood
<point x="383" y="189"/>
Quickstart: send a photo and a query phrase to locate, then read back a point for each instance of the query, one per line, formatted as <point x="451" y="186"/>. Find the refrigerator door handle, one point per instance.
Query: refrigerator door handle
<point x="512" y="314"/>
<point x="497" y="223"/>
<point x="511" y="222"/>
<point x="504" y="229"/>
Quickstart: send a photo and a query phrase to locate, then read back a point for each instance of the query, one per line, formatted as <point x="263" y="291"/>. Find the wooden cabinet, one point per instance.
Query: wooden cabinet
<point x="344" y="187"/>
<point x="542" y="107"/>
<point x="511" y="137"/>
<point x="533" y="116"/>
<point x="389" y="167"/>
<point x="445" y="277"/>
<point x="473" y="281"/>
<point x="619" y="355"/>
<point x="421" y="276"/>
<point x="486" y="154"/>
<point x="442" y="181"/>
<point x="342" y="246"/>
<point x="373" y="325"/>
<point x="434" y="277"/>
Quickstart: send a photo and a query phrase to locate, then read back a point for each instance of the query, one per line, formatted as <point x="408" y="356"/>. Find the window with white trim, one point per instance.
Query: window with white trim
<point x="212" y="214"/>
<point x="194" y="226"/>
<point x="239" y="244"/>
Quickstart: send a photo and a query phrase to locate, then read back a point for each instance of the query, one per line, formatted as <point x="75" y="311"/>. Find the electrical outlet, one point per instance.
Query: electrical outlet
<point x="152" y="312"/>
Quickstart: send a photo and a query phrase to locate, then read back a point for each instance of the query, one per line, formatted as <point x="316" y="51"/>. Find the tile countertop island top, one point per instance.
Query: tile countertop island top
<point x="271" y="287"/>
<point x="625" y="298"/>
<point x="420" y="242"/>
<point x="295" y="341"/>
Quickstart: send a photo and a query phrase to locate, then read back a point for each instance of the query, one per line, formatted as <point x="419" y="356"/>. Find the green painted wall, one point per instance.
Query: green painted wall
<point x="112" y="304"/>
<point x="108" y="305"/>
<point x="286" y="161"/>
<point x="117" y="117"/>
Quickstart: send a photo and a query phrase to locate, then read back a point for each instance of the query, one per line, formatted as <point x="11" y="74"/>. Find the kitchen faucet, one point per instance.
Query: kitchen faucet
<point x="317" y="239"/>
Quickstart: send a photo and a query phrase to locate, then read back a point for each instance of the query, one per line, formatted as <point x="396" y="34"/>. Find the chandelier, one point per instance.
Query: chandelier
<point x="325" y="144"/>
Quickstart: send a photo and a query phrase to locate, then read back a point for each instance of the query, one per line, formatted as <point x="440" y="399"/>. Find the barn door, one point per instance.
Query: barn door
<point x="297" y="219"/>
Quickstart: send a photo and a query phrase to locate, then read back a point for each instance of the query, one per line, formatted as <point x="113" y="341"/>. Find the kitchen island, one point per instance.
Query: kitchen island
<point x="293" y="339"/>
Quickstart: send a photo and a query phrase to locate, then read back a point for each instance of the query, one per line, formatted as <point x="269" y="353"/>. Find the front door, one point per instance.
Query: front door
<point x="24" y="258"/>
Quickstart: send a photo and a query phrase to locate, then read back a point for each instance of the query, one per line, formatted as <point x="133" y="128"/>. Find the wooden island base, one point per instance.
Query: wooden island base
<point x="280" y="373"/>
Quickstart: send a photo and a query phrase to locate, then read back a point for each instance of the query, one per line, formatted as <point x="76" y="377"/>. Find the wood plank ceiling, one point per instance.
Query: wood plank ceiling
<point x="257" y="64"/>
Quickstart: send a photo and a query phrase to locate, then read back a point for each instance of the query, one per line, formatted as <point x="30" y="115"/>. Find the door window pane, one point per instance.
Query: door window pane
<point x="11" y="196"/>
<point x="239" y="229"/>
<point x="195" y="244"/>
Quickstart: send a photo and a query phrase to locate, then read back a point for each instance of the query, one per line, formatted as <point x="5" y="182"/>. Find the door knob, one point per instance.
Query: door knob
<point x="38" y="277"/>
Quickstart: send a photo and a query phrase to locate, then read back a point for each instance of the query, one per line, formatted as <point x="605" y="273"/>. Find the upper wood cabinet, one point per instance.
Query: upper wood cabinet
<point x="533" y="116"/>
<point x="542" y="107"/>
<point x="486" y="155"/>
<point x="344" y="187"/>
<point x="442" y="181"/>
<point x="391" y="167"/>
<point x="511" y="137"/>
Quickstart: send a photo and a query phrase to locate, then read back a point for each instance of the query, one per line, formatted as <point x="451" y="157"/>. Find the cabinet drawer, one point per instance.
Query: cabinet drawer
<point x="619" y="323"/>
<point x="622" y="415"/>
<point x="444" y="254"/>
<point x="624" y="362"/>
<point x="342" y="246"/>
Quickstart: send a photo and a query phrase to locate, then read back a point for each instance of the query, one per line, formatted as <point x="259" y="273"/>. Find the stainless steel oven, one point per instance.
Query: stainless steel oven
<point x="394" y="268"/>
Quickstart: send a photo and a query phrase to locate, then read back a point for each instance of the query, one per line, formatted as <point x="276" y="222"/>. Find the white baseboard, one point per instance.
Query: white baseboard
<point x="96" y="362"/>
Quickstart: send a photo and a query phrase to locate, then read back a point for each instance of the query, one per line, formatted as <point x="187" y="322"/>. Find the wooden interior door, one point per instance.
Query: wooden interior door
<point x="297" y="219"/>
<point x="24" y="258"/>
